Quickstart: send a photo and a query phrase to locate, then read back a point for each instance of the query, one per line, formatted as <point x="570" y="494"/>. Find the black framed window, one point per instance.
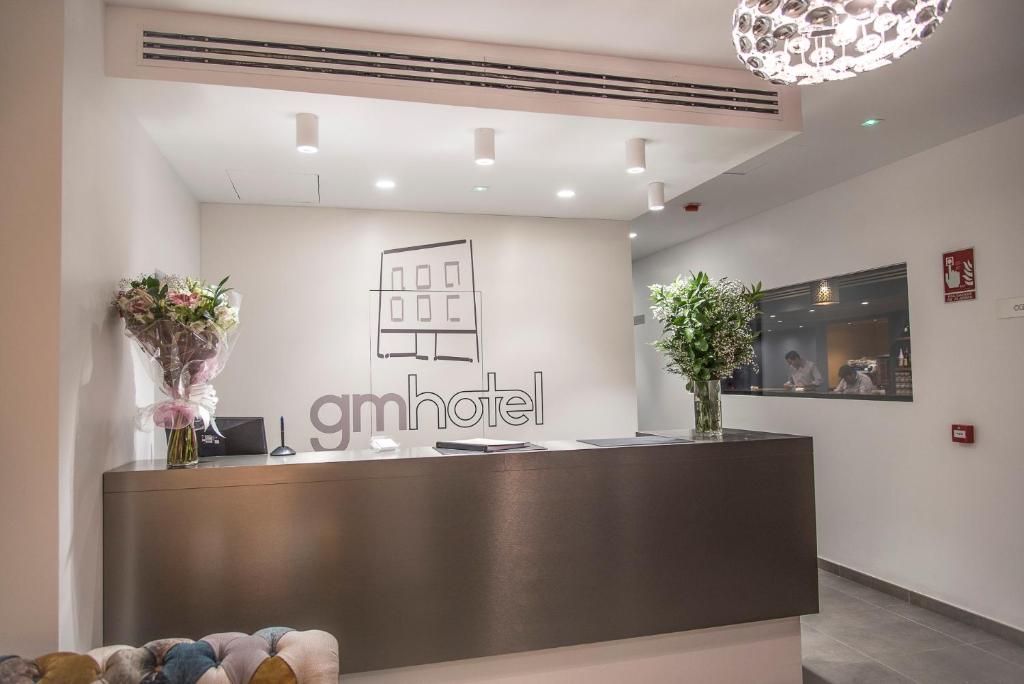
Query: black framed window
<point x="840" y="337"/>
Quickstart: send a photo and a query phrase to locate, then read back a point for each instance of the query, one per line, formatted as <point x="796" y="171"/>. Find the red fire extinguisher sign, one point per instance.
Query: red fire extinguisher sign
<point x="958" y="275"/>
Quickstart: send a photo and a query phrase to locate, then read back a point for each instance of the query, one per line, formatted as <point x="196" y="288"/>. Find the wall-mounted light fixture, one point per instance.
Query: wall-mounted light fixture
<point x="307" y="133"/>
<point x="483" y="146"/>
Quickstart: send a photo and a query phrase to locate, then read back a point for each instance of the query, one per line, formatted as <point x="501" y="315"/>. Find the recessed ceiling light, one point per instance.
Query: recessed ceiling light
<point x="386" y="184"/>
<point x="868" y="123"/>
<point x="771" y="315"/>
<point x="566" y="193"/>
<point x="483" y="146"/>
<point x="632" y="236"/>
<point x="865" y="303"/>
<point x="779" y="321"/>
<point x="307" y="133"/>
<point x="481" y="188"/>
<point x="801" y="326"/>
<point x="636" y="155"/>
<point x="770" y="330"/>
<point x="810" y="311"/>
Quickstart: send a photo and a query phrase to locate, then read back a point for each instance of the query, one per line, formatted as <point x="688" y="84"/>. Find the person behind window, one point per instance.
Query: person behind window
<point x="803" y="374"/>
<point x="853" y="382"/>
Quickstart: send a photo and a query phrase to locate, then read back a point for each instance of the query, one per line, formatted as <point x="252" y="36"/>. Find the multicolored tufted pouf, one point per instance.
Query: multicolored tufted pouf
<point x="276" y="655"/>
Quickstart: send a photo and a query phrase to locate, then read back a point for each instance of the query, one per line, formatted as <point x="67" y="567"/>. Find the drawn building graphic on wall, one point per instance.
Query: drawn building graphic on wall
<point x="427" y="307"/>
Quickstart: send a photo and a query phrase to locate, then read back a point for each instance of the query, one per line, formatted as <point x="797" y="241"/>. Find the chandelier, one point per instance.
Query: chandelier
<point x="811" y="41"/>
<point x="825" y="294"/>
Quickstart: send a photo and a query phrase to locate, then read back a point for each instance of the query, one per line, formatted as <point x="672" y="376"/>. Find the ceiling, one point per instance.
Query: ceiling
<point x="238" y="145"/>
<point x="967" y="76"/>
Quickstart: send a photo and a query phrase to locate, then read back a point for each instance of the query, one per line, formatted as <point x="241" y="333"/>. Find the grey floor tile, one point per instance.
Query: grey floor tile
<point x="815" y="646"/>
<point x="877" y="632"/>
<point x="826" y="661"/>
<point x="1005" y="649"/>
<point x="961" y="664"/>
<point x="868" y="672"/>
<point x="868" y="594"/>
<point x="835" y="601"/>
<point x="954" y="628"/>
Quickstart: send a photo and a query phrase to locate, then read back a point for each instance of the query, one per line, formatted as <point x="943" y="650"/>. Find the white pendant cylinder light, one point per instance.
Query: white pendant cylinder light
<point x="483" y="146"/>
<point x="636" y="155"/>
<point x="307" y="133"/>
<point x="656" y="196"/>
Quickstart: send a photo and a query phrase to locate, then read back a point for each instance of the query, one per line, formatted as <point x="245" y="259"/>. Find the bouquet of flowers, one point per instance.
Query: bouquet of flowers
<point x="185" y="328"/>
<point x="706" y="335"/>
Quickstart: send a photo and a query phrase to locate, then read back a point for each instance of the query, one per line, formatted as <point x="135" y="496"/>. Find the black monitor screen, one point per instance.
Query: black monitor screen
<point x="242" y="436"/>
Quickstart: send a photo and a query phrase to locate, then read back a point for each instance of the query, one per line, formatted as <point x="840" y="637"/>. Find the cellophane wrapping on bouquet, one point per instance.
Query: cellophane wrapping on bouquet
<point x="185" y="329"/>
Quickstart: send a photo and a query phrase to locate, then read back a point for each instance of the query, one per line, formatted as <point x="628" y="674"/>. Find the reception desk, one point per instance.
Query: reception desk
<point x="413" y="557"/>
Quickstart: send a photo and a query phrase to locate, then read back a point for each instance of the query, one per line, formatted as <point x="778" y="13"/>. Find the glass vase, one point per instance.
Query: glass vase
<point x="707" y="409"/>
<point x="182" y="447"/>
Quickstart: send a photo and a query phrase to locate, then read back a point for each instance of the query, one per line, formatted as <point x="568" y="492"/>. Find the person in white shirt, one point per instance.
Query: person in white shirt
<point x="803" y="374"/>
<point x="853" y="382"/>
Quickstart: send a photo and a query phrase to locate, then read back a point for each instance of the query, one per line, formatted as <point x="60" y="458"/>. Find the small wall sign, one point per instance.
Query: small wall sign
<point x="1010" y="308"/>
<point x="958" y="275"/>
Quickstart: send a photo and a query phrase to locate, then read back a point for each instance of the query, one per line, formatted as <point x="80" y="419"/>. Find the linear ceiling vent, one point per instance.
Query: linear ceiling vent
<point x="209" y="49"/>
<point x="373" y="64"/>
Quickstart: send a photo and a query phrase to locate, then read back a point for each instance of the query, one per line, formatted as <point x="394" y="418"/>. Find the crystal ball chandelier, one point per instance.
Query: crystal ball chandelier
<point x="811" y="41"/>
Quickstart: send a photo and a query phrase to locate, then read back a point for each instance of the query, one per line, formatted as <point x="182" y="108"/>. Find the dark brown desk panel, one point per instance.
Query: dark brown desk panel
<point x="412" y="558"/>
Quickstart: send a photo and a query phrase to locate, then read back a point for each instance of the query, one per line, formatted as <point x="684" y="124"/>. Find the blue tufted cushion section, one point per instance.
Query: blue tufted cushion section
<point x="186" y="663"/>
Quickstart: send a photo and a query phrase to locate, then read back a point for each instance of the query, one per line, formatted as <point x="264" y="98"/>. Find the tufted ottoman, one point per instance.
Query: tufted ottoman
<point x="270" y="656"/>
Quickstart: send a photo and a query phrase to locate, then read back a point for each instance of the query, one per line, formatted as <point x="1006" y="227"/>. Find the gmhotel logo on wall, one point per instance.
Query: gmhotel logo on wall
<point x="427" y="322"/>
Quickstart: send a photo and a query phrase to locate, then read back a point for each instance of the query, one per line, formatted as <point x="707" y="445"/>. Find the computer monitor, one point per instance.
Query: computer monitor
<point x="242" y="436"/>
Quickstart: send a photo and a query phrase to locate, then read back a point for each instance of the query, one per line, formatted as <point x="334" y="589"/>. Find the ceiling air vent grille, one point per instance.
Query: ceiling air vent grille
<point x="161" y="46"/>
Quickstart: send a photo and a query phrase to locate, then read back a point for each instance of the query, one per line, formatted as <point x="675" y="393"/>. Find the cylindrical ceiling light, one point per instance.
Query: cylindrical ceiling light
<point x="825" y="295"/>
<point x="636" y="155"/>
<point x="656" y="196"/>
<point x="483" y="146"/>
<point x="307" y="133"/>
<point x="811" y="41"/>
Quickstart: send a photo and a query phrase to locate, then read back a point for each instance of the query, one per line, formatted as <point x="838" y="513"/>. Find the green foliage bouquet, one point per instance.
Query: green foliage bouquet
<point x="706" y="335"/>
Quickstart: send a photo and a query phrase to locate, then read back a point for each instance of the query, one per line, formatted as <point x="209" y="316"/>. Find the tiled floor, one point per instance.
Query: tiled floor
<point x="863" y="636"/>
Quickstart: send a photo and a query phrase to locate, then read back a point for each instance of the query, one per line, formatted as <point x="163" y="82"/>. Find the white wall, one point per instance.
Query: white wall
<point x="31" y="33"/>
<point x="896" y="499"/>
<point x="124" y="212"/>
<point x="556" y="299"/>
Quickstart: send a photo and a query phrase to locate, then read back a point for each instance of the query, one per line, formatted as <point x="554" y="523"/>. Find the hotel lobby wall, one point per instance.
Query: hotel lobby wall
<point x="31" y="65"/>
<point x="896" y="499"/>
<point x="555" y="300"/>
<point x="124" y="211"/>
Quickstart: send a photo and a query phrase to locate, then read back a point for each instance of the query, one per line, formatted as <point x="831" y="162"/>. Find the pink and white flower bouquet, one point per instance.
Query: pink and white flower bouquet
<point x="185" y="328"/>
